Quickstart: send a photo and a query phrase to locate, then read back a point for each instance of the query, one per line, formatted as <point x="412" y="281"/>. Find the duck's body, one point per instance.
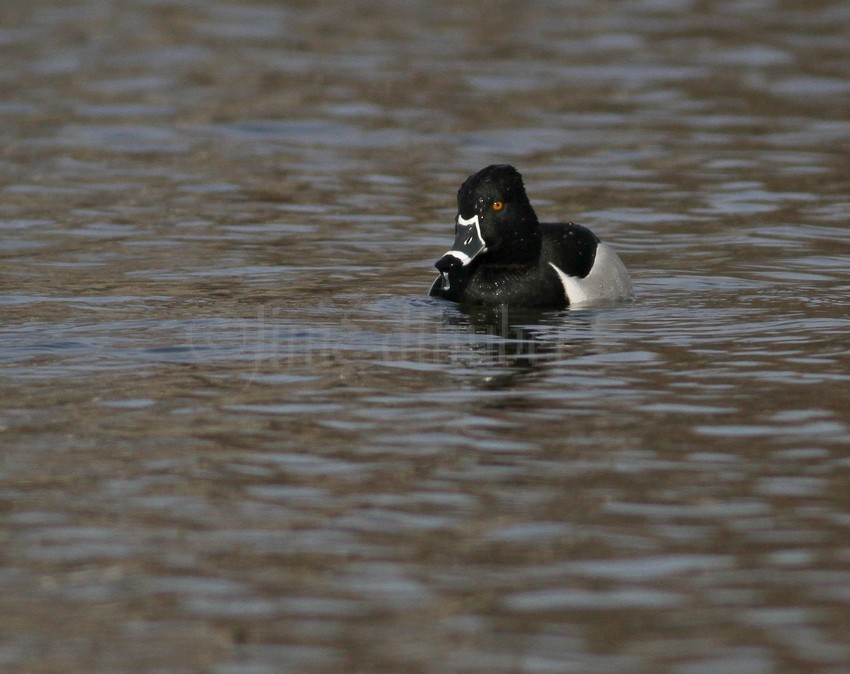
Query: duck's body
<point x="502" y="255"/>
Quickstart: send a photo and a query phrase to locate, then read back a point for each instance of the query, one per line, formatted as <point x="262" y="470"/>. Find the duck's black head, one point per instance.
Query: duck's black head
<point x="495" y="221"/>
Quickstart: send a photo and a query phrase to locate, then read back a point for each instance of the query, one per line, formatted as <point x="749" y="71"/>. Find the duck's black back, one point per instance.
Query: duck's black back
<point x="570" y="247"/>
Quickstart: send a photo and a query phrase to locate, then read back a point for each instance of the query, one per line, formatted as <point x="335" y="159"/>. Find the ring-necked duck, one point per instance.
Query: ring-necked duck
<point x="503" y="255"/>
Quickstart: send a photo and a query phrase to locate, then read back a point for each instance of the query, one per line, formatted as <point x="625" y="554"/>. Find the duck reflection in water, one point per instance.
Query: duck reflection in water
<point x="514" y="344"/>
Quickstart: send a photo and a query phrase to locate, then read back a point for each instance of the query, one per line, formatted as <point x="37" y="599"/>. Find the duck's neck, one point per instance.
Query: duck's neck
<point x="522" y="247"/>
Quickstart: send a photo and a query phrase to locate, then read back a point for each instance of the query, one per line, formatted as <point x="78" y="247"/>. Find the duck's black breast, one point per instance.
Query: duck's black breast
<point x="512" y="285"/>
<point x="570" y="247"/>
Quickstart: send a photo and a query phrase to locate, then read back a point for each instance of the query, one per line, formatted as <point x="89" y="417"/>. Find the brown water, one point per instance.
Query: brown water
<point x="238" y="438"/>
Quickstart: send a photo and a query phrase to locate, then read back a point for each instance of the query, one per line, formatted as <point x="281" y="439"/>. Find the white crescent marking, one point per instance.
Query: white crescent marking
<point x="608" y="279"/>
<point x="463" y="257"/>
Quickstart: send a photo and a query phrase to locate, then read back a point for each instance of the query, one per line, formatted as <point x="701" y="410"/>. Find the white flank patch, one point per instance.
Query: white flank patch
<point x="607" y="280"/>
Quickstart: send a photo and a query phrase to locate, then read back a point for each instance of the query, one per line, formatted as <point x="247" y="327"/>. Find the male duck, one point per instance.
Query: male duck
<point x="503" y="255"/>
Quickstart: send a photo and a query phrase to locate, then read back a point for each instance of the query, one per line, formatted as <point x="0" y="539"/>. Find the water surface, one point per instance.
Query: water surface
<point x="237" y="436"/>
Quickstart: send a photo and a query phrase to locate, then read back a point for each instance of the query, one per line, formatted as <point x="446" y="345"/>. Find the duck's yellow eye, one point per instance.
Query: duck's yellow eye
<point x="498" y="205"/>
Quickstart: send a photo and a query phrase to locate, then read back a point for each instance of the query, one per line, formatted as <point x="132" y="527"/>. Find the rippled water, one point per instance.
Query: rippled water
<point x="237" y="437"/>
